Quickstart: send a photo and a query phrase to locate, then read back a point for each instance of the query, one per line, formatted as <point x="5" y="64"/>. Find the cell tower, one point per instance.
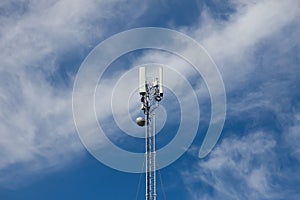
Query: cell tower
<point x="151" y="94"/>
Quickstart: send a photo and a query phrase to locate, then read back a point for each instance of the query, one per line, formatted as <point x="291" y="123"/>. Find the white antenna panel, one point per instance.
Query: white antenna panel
<point x="160" y="81"/>
<point x="142" y="81"/>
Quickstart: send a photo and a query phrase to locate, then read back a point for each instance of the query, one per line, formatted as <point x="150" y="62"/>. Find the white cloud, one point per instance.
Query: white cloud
<point x="292" y="138"/>
<point x="256" y="52"/>
<point x="254" y="166"/>
<point x="37" y="129"/>
<point x="239" y="168"/>
<point x="232" y="43"/>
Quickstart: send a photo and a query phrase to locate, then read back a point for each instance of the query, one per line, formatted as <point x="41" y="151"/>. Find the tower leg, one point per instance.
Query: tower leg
<point x="150" y="158"/>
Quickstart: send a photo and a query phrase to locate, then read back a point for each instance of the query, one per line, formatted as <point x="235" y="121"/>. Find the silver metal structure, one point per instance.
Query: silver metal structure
<point x="151" y="94"/>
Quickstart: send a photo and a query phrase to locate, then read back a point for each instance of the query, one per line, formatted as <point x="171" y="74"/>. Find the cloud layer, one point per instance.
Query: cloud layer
<point x="36" y="77"/>
<point x="256" y="48"/>
<point x="257" y="51"/>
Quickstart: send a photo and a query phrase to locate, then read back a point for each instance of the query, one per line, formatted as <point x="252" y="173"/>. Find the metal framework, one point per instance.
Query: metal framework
<point x="151" y="94"/>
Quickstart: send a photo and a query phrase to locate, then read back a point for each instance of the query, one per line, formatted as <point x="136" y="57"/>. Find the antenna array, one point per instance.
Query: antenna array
<point x="151" y="94"/>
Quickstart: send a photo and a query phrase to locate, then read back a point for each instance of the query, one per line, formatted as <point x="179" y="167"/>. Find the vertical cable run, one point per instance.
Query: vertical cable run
<point x="153" y="156"/>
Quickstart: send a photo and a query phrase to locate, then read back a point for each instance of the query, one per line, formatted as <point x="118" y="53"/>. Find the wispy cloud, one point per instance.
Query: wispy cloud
<point x="249" y="167"/>
<point x="36" y="128"/>
<point x="239" y="168"/>
<point x="233" y="42"/>
<point x="292" y="139"/>
<point x="257" y="50"/>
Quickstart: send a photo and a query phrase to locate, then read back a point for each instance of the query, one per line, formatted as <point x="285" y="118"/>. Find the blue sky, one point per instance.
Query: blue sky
<point x="255" y="45"/>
